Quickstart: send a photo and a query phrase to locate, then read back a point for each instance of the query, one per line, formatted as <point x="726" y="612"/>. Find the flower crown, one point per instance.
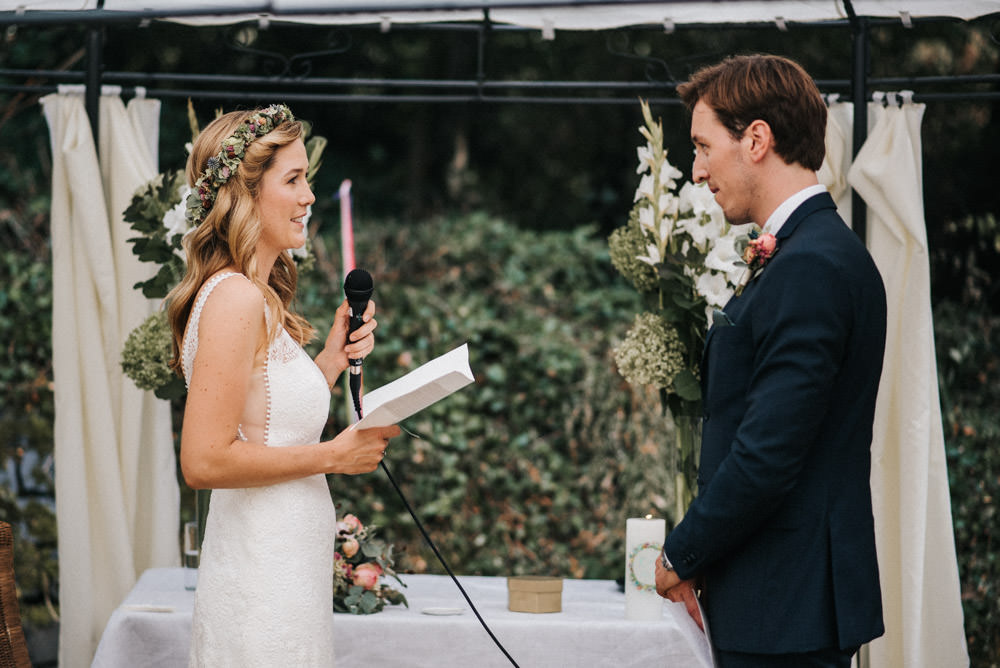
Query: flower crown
<point x="222" y="166"/>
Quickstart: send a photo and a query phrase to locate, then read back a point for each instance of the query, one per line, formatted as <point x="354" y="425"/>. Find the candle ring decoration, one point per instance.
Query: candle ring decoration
<point x="636" y="551"/>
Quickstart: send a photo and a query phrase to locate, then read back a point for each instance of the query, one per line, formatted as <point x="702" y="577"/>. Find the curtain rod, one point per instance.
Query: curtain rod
<point x="476" y="89"/>
<point x="449" y="98"/>
<point x="253" y="12"/>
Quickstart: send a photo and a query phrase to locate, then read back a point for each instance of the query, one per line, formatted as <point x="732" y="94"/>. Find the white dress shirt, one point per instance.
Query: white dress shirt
<point x="785" y="209"/>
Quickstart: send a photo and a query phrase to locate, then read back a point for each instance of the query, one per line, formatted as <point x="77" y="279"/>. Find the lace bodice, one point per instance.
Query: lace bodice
<point x="282" y="396"/>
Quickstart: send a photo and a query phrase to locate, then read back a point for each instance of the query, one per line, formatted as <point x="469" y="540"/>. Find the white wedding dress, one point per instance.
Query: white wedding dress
<point x="265" y="581"/>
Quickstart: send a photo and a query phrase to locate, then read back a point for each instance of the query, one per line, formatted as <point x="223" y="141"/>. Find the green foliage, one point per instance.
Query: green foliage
<point x="26" y="417"/>
<point x="157" y="244"/>
<point x="535" y="467"/>
<point x="969" y="369"/>
<point x="967" y="337"/>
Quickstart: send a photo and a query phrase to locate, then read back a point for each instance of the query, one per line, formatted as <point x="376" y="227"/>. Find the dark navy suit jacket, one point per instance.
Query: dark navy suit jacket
<point x="782" y="530"/>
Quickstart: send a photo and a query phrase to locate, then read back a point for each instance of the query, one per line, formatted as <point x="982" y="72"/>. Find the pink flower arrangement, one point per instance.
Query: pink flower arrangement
<point x="359" y="563"/>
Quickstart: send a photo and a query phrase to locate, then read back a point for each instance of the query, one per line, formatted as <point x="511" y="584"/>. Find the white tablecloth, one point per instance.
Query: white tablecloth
<point x="152" y="626"/>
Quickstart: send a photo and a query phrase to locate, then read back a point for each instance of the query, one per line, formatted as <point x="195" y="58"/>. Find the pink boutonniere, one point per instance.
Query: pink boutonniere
<point x="759" y="250"/>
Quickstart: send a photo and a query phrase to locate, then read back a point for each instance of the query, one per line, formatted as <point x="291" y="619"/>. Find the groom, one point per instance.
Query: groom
<point x="781" y="537"/>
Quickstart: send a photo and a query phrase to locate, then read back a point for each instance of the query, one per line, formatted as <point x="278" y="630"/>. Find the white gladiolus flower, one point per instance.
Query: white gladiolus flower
<point x="693" y="198"/>
<point x="723" y="256"/>
<point x="701" y="202"/>
<point x="653" y="258"/>
<point x="702" y="230"/>
<point x="646" y="158"/>
<point x="669" y="205"/>
<point x="714" y="288"/>
<point x="666" y="229"/>
<point x="646" y="219"/>
<point x="645" y="188"/>
<point x="667" y="175"/>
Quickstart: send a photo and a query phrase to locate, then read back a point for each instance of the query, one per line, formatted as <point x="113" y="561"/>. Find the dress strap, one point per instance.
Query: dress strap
<point x="190" y="347"/>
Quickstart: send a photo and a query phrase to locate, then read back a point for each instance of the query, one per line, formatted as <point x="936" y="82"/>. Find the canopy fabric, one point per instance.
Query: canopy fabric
<point x="117" y="498"/>
<point x="837" y="162"/>
<point x="589" y="17"/>
<point x="921" y="593"/>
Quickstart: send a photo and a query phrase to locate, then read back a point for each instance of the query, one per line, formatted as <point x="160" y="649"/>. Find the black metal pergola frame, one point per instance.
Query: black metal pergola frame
<point x="858" y="86"/>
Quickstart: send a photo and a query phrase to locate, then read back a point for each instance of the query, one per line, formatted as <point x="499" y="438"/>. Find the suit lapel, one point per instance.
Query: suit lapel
<point x="735" y="306"/>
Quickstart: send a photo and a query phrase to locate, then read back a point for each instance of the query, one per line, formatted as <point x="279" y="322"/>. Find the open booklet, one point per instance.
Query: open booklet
<point x="417" y="390"/>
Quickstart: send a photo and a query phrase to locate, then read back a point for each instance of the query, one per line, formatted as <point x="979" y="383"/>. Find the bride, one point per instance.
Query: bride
<point x="257" y="404"/>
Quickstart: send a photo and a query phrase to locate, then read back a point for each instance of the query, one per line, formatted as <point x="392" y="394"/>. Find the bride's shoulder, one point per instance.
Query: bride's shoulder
<point x="230" y="296"/>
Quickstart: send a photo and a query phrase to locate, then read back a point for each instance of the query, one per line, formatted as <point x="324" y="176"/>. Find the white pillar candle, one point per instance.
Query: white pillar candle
<point x="643" y="541"/>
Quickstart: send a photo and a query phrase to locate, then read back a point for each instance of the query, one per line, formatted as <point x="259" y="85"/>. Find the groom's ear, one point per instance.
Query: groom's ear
<point x="758" y="140"/>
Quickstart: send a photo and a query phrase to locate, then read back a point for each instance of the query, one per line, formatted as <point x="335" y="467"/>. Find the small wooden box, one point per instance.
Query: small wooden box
<point x="534" y="593"/>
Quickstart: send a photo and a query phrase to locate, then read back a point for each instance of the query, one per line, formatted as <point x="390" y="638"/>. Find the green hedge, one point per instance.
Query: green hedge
<point x="26" y="416"/>
<point x="535" y="468"/>
<point x="968" y="344"/>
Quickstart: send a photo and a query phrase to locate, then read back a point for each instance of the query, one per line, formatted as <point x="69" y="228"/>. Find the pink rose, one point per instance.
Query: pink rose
<point x="367" y="575"/>
<point x="767" y="244"/>
<point x="760" y="250"/>
<point x="349" y="547"/>
<point x="350" y="524"/>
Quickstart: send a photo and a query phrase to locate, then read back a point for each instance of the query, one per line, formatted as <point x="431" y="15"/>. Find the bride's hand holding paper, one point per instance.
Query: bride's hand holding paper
<point x="355" y="451"/>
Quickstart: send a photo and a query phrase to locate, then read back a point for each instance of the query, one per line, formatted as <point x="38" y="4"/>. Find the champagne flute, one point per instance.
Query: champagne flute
<point x="192" y="554"/>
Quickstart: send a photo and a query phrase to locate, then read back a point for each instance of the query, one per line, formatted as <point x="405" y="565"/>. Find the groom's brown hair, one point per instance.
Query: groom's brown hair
<point x="776" y="90"/>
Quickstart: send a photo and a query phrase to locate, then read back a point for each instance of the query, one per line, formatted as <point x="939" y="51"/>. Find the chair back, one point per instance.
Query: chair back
<point x="13" y="648"/>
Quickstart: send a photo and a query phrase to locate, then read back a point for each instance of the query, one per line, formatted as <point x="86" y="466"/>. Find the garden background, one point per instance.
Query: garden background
<point x="487" y="223"/>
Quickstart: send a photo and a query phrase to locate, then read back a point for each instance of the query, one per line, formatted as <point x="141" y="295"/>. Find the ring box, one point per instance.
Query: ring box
<point x="534" y="593"/>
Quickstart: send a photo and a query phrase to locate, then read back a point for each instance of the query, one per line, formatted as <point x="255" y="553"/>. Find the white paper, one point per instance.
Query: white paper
<point x="417" y="390"/>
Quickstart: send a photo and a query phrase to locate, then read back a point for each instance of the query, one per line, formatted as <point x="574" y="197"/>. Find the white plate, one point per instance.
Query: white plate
<point x="442" y="611"/>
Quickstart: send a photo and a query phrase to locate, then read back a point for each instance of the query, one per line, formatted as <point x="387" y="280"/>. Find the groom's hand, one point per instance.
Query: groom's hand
<point x="671" y="587"/>
<point x="684" y="593"/>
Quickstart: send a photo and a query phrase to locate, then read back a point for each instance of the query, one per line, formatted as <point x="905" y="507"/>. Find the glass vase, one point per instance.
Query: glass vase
<point x="687" y="437"/>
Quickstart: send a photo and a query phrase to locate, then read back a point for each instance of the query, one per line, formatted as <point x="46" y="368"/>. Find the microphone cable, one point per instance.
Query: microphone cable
<point x="440" y="558"/>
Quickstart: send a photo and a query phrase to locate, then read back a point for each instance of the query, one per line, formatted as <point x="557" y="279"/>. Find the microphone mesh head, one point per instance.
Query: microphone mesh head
<point x="358" y="286"/>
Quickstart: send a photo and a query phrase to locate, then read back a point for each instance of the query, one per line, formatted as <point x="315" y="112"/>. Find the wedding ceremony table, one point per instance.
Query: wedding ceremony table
<point x="152" y="626"/>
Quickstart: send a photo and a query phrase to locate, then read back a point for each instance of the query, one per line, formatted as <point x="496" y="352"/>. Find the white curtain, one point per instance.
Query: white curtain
<point x="839" y="152"/>
<point x="914" y="535"/>
<point x="116" y="488"/>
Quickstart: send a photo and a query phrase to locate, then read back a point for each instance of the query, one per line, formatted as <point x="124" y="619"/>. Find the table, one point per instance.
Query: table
<point x="152" y="626"/>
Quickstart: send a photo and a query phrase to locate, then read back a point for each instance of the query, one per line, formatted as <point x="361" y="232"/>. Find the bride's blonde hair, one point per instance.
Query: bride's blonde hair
<point x="228" y="235"/>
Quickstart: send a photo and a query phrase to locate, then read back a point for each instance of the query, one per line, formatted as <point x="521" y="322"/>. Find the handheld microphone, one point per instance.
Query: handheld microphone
<point x="358" y="287"/>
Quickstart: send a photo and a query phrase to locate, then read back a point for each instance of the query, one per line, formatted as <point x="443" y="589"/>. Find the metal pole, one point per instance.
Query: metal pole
<point x="859" y="92"/>
<point x="92" y="93"/>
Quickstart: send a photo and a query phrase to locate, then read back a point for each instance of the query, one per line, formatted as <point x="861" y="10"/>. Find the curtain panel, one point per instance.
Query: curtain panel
<point x="116" y="489"/>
